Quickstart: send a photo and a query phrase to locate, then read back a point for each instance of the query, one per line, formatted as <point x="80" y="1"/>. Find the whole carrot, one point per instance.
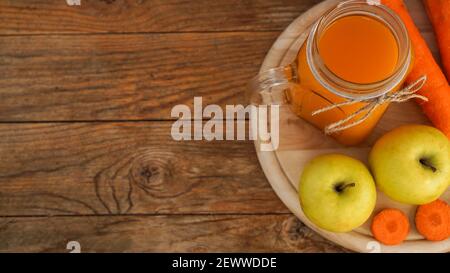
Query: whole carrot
<point x="439" y="13"/>
<point x="436" y="89"/>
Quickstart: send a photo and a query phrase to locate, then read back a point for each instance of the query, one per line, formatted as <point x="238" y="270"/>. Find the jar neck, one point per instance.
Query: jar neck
<point x="352" y="90"/>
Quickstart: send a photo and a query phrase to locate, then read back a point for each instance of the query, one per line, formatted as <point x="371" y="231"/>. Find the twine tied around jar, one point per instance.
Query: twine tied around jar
<point x="407" y="93"/>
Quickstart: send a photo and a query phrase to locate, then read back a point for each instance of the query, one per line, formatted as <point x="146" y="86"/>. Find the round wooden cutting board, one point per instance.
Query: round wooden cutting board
<point x="300" y="142"/>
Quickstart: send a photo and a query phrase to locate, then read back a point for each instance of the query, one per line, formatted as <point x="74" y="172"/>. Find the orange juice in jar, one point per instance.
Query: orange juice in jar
<point x="359" y="52"/>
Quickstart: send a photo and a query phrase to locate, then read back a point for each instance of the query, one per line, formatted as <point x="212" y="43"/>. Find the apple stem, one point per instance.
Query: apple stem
<point x="427" y="164"/>
<point x="342" y="186"/>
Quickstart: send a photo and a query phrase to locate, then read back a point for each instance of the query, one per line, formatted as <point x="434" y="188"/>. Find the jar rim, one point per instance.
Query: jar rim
<point x="351" y="90"/>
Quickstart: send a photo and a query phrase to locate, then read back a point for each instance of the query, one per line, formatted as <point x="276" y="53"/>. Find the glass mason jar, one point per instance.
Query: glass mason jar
<point x="308" y="85"/>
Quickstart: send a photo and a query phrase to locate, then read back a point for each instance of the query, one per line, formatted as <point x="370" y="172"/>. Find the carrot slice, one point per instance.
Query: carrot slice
<point x="433" y="220"/>
<point x="436" y="89"/>
<point x="439" y="13"/>
<point x="390" y="226"/>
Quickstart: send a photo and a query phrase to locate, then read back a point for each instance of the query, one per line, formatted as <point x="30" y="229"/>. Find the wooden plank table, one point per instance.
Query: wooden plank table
<point x="85" y="147"/>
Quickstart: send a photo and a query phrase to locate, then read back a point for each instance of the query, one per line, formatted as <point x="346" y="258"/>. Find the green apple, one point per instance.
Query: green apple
<point x="411" y="164"/>
<point x="337" y="193"/>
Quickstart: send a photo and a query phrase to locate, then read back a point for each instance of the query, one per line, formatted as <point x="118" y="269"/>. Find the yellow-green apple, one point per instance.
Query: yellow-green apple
<point x="411" y="164"/>
<point x="337" y="193"/>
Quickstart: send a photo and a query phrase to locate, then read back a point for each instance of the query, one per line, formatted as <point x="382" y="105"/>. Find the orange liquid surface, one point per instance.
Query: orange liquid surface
<point x="359" y="49"/>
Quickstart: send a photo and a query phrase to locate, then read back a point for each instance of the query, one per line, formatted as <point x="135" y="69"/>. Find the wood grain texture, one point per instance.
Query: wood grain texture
<point x="131" y="16"/>
<point x="126" y="76"/>
<point x="226" y="233"/>
<point x="127" y="186"/>
<point x="126" y="168"/>
<point x="123" y="77"/>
